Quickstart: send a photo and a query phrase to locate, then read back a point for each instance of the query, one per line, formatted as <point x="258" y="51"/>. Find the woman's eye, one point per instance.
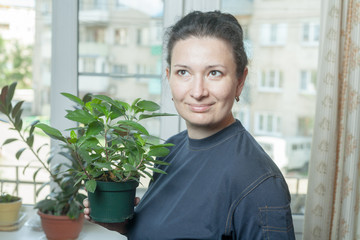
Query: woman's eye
<point x="182" y="72"/>
<point x="215" y="74"/>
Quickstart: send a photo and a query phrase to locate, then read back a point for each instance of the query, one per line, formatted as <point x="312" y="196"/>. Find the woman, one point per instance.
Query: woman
<point x="220" y="183"/>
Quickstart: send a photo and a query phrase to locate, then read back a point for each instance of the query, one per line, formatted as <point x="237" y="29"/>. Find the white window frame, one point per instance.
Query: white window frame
<point x="306" y="79"/>
<point x="265" y="79"/>
<point x="64" y="72"/>
<point x="273" y="34"/>
<point x="275" y="126"/>
<point x="312" y="30"/>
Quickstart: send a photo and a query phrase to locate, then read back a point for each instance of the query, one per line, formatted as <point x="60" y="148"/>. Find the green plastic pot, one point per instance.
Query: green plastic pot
<point x="113" y="201"/>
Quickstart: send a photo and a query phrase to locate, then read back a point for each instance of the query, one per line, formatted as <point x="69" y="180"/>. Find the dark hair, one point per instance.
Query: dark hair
<point x="210" y="24"/>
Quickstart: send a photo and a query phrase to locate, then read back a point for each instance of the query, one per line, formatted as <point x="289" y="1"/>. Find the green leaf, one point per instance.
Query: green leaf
<point x="90" y="142"/>
<point x="16" y="109"/>
<point x="157" y="170"/>
<point x="73" y="134"/>
<point x="30" y="140"/>
<point x="90" y="185"/>
<point x="129" y="167"/>
<point x="73" y="98"/>
<point x="39" y="149"/>
<point x="148" y="105"/>
<point x="116" y="112"/>
<point x="105" y="98"/>
<point x="135" y="102"/>
<point x="4" y="92"/>
<point x="10" y="140"/>
<point x="45" y="205"/>
<point x="10" y="93"/>
<point x="102" y="165"/>
<point x="50" y="131"/>
<point x="94" y="128"/>
<point x="100" y="107"/>
<point x="133" y="125"/>
<point x="144" y="116"/>
<point x="32" y="128"/>
<point x="19" y="152"/>
<point x="35" y="174"/>
<point x="80" y="116"/>
<point x="159" y="152"/>
<point x="18" y="121"/>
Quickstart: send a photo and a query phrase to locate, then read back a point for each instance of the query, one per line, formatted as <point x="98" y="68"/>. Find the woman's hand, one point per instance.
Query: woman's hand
<point x="118" y="227"/>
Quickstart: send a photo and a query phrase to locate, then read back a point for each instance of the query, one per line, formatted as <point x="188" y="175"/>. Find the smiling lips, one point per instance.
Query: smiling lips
<point x="199" y="108"/>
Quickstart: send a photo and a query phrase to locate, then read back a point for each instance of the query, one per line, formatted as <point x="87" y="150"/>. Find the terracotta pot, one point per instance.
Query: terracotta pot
<point x="61" y="227"/>
<point x="9" y="213"/>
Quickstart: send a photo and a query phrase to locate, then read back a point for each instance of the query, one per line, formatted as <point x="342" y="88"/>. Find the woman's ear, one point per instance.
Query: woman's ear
<point x="168" y="73"/>
<point x="241" y="82"/>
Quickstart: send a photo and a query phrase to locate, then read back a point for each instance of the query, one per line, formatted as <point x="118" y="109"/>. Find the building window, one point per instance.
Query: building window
<point x="89" y="64"/>
<point x="310" y="33"/>
<point x="142" y="38"/>
<point x="305" y="126"/>
<point x="95" y="34"/>
<point x="271" y="80"/>
<point x="273" y="34"/>
<point x="267" y="124"/>
<point x="120" y="69"/>
<point x="120" y="36"/>
<point x="307" y="82"/>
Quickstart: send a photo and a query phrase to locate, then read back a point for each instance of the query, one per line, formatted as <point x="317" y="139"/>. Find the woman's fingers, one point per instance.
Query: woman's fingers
<point x="86" y="203"/>
<point x="136" y="201"/>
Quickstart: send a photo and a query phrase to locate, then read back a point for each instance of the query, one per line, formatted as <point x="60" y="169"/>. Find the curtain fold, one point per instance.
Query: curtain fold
<point x="332" y="204"/>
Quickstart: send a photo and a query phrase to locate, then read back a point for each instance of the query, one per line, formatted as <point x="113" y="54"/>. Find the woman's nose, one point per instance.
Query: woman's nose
<point x="199" y="89"/>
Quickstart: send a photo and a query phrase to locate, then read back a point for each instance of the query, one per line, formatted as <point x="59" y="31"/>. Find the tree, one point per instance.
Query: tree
<point x="15" y="63"/>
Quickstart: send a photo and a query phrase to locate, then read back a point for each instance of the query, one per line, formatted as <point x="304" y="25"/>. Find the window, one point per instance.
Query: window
<point x="307" y="81"/>
<point x="310" y="33"/>
<point x="305" y="126"/>
<point x="142" y="36"/>
<point x="120" y="36"/>
<point x="25" y="56"/>
<point x="120" y="68"/>
<point x="94" y="35"/>
<point x="267" y="124"/>
<point x="271" y="80"/>
<point x="273" y="34"/>
<point x="89" y="64"/>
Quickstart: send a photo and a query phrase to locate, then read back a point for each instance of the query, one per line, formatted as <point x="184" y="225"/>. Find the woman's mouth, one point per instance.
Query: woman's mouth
<point x="199" y="108"/>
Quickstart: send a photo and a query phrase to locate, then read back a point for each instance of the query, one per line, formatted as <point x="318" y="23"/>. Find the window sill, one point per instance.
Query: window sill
<point x="31" y="229"/>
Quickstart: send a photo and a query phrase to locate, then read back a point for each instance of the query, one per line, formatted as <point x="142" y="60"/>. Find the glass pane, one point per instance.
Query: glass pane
<point x="292" y="126"/>
<point x="25" y="57"/>
<point x="120" y="51"/>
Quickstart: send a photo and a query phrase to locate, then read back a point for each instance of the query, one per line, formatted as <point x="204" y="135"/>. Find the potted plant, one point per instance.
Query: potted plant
<point x="113" y="149"/>
<point x="9" y="211"/>
<point x="65" y="202"/>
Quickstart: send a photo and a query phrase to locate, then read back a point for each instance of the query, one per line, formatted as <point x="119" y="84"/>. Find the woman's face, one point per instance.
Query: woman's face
<point x="204" y="84"/>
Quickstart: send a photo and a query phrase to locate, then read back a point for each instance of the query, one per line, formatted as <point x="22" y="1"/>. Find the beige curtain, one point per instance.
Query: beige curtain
<point x="332" y="205"/>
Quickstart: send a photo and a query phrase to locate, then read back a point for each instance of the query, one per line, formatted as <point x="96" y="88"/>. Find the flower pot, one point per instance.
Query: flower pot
<point x="61" y="227"/>
<point x="112" y="201"/>
<point x="9" y="213"/>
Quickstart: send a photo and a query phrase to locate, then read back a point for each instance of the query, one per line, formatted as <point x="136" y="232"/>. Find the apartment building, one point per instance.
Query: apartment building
<point x="282" y="37"/>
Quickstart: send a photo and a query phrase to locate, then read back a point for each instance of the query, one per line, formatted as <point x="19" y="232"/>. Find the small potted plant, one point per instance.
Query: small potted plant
<point x="113" y="149"/>
<point x="9" y="211"/>
<point x="62" y="209"/>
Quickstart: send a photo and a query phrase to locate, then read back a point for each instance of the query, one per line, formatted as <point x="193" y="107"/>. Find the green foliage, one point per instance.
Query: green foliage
<point x="6" y="198"/>
<point x="15" y="64"/>
<point x="110" y="144"/>
<point x="65" y="201"/>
